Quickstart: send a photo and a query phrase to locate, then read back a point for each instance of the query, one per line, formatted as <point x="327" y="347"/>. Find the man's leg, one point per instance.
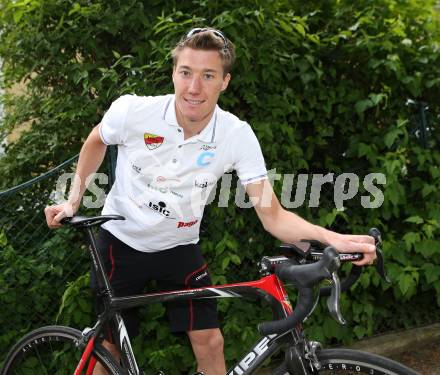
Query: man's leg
<point x="99" y="369"/>
<point x="183" y="268"/>
<point x="207" y="345"/>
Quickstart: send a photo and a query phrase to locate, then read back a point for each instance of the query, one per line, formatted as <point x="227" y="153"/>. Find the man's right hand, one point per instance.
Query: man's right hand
<point x="54" y="214"/>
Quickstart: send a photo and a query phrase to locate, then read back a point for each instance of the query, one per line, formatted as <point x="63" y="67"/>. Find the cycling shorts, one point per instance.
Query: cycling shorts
<point x="181" y="267"/>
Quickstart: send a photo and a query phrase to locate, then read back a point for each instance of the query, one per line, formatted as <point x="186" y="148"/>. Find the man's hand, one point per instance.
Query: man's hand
<point x="90" y="158"/>
<point x="289" y="227"/>
<point x="54" y="214"/>
<point x="348" y="243"/>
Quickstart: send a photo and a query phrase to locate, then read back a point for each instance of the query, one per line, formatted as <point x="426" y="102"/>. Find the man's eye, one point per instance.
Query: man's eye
<point x="184" y="73"/>
<point x="209" y="76"/>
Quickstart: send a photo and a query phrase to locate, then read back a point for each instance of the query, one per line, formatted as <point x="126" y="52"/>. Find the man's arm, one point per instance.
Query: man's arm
<point x="289" y="227"/>
<point x="90" y="158"/>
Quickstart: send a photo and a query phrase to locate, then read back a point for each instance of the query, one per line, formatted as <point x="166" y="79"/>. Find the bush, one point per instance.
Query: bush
<point x="324" y="85"/>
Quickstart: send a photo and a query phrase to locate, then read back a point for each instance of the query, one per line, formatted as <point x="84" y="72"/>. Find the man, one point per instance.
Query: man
<point x="171" y="151"/>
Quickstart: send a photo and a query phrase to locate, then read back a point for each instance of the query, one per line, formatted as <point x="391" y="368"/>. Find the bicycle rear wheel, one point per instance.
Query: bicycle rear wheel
<point x="52" y="350"/>
<point x="348" y="362"/>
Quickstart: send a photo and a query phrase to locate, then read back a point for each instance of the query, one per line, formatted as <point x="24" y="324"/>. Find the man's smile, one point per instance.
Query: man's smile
<point x="193" y="101"/>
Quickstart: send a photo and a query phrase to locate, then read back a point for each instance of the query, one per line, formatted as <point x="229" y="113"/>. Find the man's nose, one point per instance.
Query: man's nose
<point x="195" y="85"/>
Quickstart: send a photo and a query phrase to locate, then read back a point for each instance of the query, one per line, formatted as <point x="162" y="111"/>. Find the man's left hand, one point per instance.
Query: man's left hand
<point x="349" y="243"/>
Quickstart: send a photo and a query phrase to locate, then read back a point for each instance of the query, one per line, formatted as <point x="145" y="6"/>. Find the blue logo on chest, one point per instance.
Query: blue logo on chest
<point x="204" y="158"/>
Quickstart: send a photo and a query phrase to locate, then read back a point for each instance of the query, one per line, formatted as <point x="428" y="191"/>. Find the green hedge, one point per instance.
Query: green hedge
<point x="323" y="84"/>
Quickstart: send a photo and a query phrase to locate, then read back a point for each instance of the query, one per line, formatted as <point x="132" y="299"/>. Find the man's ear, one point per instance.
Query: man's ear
<point x="226" y="80"/>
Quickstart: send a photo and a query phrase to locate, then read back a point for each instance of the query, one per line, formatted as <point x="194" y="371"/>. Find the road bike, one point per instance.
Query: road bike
<point x="64" y="350"/>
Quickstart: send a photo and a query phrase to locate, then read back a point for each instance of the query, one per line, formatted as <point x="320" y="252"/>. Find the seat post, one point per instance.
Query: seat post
<point x="98" y="264"/>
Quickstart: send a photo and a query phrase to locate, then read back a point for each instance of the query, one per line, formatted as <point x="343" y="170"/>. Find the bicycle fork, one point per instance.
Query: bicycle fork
<point x="85" y="357"/>
<point x="301" y="358"/>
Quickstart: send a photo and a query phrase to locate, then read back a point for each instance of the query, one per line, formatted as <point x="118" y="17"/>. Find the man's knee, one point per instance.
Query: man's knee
<point x="209" y="340"/>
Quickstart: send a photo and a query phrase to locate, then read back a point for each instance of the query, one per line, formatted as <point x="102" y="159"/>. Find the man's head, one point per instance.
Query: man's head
<point x="207" y="39"/>
<point x="202" y="63"/>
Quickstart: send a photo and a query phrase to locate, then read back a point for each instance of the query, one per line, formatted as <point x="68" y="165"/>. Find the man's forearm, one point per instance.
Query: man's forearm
<point x="289" y="227"/>
<point x="90" y="158"/>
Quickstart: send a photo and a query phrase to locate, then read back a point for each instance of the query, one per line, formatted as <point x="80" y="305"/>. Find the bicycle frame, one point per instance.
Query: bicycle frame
<point x="268" y="288"/>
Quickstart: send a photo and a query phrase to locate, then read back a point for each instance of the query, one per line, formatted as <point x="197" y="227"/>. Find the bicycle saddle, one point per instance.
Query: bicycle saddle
<point x="88" y="221"/>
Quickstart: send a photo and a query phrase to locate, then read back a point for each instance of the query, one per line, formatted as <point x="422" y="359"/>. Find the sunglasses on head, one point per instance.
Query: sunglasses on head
<point x="217" y="33"/>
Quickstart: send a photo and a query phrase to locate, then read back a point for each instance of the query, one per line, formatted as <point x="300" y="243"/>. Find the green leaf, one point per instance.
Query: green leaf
<point x="359" y="331"/>
<point x="428" y="189"/>
<point x="414" y="219"/>
<point x="300" y="28"/>
<point x="362" y="105"/>
<point x="406" y="282"/>
<point x="428" y="248"/>
<point x="391" y="137"/>
<point x="235" y="259"/>
<point x="376" y="98"/>
<point x="432" y="272"/>
<point x="411" y="238"/>
<point x="225" y="262"/>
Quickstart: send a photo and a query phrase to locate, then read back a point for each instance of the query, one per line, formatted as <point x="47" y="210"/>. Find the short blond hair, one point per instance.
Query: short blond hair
<point x="207" y="39"/>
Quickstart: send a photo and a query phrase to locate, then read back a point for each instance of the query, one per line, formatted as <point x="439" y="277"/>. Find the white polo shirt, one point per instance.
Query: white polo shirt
<point x="162" y="180"/>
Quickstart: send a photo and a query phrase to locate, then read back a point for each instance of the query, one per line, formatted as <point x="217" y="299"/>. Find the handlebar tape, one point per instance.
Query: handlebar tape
<point x="302" y="309"/>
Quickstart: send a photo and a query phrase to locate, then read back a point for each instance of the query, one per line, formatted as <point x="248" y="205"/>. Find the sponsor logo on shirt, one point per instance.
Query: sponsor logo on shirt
<point x="136" y="168"/>
<point x="153" y="141"/>
<point x="204" y="157"/>
<point x="182" y="224"/>
<point x="204" y="184"/>
<point x="160" y="208"/>
<point x="207" y="147"/>
<point x="163" y="179"/>
<point x="164" y="190"/>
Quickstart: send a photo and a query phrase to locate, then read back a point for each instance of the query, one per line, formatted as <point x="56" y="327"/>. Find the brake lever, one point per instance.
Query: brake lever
<point x="333" y="303"/>
<point x="380" y="264"/>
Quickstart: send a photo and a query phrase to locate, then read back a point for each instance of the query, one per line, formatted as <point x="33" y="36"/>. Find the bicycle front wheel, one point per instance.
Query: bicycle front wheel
<point x="52" y="350"/>
<point x="348" y="362"/>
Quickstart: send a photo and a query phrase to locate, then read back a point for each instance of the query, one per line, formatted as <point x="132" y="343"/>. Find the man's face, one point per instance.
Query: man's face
<point x="198" y="81"/>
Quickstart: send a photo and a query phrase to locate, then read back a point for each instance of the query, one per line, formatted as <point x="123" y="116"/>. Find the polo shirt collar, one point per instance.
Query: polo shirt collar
<point x="207" y="135"/>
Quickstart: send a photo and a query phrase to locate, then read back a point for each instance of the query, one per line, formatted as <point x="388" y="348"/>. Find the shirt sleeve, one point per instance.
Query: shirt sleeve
<point x="249" y="161"/>
<point x="112" y="128"/>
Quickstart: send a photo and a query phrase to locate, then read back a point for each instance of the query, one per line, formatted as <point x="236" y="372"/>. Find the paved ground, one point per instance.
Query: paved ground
<point x="418" y="348"/>
<point x="424" y="359"/>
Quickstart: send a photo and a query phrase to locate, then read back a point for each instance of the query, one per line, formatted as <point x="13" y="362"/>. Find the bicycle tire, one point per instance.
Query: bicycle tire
<point x="52" y="350"/>
<point x="347" y="362"/>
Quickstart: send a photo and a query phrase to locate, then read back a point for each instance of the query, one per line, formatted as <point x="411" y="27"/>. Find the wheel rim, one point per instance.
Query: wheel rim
<point x="49" y="354"/>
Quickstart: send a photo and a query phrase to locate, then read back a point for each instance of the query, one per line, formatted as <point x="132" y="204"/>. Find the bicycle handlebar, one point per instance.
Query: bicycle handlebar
<point x="306" y="276"/>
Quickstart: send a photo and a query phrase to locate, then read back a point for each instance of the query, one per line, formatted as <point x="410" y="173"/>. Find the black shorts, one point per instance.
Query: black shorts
<point x="182" y="267"/>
